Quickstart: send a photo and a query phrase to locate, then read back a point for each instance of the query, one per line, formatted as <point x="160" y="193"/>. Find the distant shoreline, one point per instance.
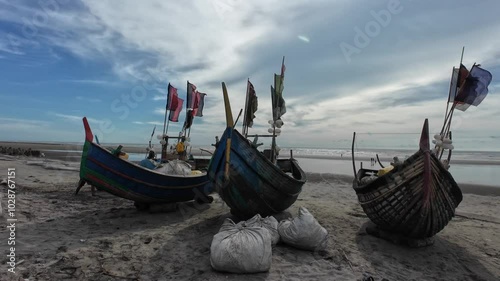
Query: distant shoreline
<point x="386" y="159"/>
<point x="72" y="152"/>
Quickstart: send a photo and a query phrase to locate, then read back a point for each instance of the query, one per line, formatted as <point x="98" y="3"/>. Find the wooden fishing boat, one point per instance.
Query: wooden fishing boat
<point x="105" y="171"/>
<point x="247" y="180"/>
<point x="416" y="199"/>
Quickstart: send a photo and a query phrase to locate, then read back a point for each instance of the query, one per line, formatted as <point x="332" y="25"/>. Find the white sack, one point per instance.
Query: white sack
<point x="269" y="223"/>
<point x="241" y="249"/>
<point x="303" y="232"/>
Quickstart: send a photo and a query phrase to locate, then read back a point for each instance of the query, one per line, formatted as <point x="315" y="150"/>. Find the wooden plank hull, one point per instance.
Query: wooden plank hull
<point x="416" y="199"/>
<point x="128" y="180"/>
<point x="254" y="185"/>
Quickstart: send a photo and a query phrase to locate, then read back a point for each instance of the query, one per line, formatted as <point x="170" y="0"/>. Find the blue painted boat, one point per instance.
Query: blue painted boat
<point x="247" y="180"/>
<point x="125" y="179"/>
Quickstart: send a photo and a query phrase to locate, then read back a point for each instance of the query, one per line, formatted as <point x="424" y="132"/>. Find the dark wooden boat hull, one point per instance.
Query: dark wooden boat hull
<point x="416" y="199"/>
<point x="125" y="179"/>
<point x="255" y="185"/>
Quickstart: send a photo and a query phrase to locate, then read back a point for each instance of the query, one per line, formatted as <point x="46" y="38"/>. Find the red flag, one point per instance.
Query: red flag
<point x="191" y="90"/>
<point x="174" y="113"/>
<point x="462" y="75"/>
<point x="199" y="103"/>
<point x="172" y="95"/>
<point x="196" y="100"/>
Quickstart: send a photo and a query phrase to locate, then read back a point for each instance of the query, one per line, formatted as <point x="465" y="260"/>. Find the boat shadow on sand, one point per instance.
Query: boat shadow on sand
<point x="450" y="260"/>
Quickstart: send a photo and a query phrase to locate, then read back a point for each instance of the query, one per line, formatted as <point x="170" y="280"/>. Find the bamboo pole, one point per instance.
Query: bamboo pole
<point x="352" y="152"/>
<point x="245" y="127"/>
<point x="229" y="124"/>
<point x="264" y="136"/>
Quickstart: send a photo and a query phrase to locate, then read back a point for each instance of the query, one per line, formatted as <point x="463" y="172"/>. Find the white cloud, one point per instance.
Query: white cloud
<point x="159" y="111"/>
<point x="400" y="76"/>
<point x="75" y="118"/>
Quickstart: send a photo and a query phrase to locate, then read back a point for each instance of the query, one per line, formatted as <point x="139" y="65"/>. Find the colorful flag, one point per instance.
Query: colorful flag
<point x="278" y="84"/>
<point x="462" y="75"/>
<point x="453" y="85"/>
<point x="174" y="113"/>
<point x="251" y="106"/>
<point x="172" y="92"/>
<point x="200" y="103"/>
<point x="457" y="80"/>
<point x="191" y="90"/>
<point x="474" y="89"/>
<point x="277" y="93"/>
<point x="279" y="108"/>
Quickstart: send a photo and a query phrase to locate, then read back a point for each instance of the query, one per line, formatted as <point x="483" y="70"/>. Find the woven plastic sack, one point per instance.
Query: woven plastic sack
<point x="241" y="249"/>
<point x="303" y="232"/>
<point x="269" y="223"/>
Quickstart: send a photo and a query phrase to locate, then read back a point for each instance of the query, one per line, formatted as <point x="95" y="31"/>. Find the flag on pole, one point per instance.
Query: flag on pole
<point x="279" y="107"/>
<point x="474" y="88"/>
<point x="462" y="75"/>
<point x="191" y="90"/>
<point x="277" y="93"/>
<point x="172" y="93"/>
<point x="457" y="80"/>
<point x="199" y="104"/>
<point x="174" y="113"/>
<point x="453" y="85"/>
<point x="191" y="96"/>
<point x="251" y="106"/>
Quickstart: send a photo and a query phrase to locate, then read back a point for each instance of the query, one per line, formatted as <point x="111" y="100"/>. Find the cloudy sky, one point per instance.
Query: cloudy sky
<point x="365" y="66"/>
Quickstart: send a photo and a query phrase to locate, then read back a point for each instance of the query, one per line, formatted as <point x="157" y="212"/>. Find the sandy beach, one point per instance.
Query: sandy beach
<point x="60" y="236"/>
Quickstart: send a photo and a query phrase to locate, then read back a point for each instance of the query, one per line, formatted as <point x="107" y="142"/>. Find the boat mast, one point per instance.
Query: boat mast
<point x="449" y="114"/>
<point x="188" y="101"/>
<point x="245" y="127"/>
<point x="165" y="126"/>
<point x="352" y="152"/>
<point x="275" y="114"/>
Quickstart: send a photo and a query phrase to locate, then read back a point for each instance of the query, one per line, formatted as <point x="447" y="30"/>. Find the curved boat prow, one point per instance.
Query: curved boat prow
<point x="227" y="105"/>
<point x="425" y="148"/>
<point x="230" y="124"/>
<point x="424" y="137"/>
<point x="88" y="132"/>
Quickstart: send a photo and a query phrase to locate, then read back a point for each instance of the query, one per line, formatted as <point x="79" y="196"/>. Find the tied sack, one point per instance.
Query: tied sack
<point x="241" y="249"/>
<point x="303" y="232"/>
<point x="269" y="223"/>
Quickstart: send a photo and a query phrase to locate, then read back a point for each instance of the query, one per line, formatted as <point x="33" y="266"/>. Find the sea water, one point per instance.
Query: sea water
<point x="473" y="167"/>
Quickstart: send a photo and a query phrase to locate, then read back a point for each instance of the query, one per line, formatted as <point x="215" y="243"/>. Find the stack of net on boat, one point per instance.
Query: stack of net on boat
<point x="175" y="167"/>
